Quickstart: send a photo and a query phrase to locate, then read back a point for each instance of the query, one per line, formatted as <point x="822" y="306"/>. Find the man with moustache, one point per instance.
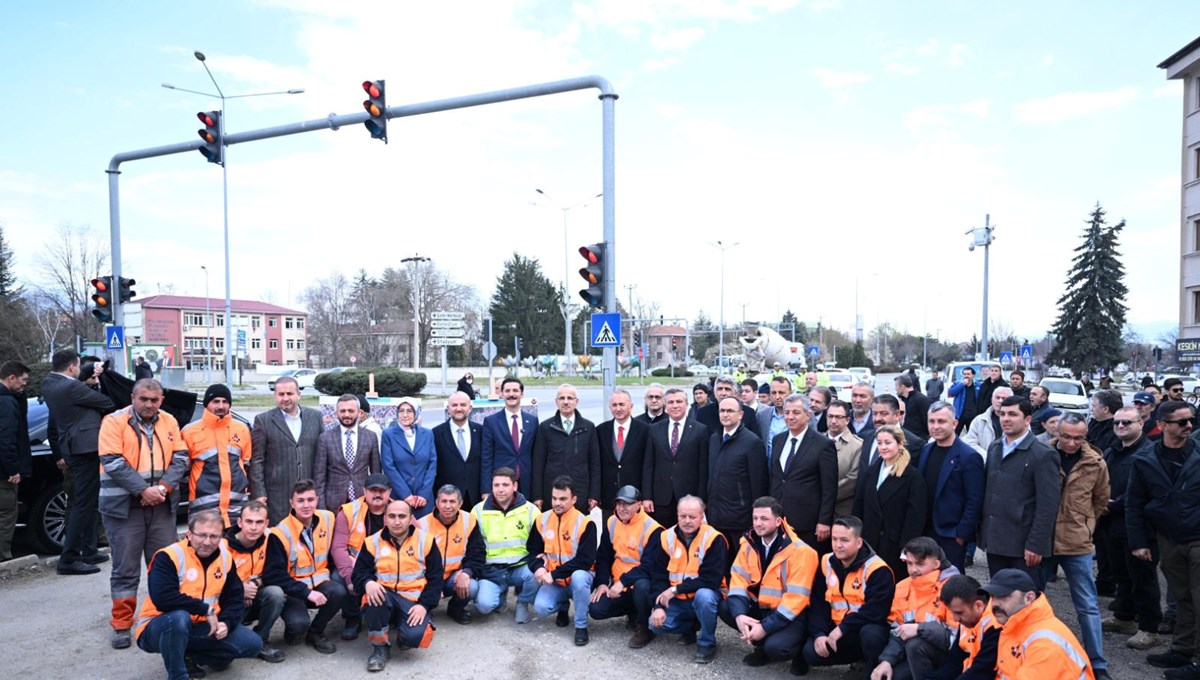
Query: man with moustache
<point x="508" y="438"/>
<point x="345" y="456"/>
<point x="677" y="461"/>
<point x="356" y="520"/>
<point x="459" y="446"/>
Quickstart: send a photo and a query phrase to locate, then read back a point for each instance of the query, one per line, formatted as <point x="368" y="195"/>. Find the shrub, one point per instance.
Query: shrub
<point x="680" y="372"/>
<point x="389" y="382"/>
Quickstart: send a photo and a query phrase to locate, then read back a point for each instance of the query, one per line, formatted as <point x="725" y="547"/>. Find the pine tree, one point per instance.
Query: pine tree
<point x="1091" y="313"/>
<point x="8" y="279"/>
<point x="527" y="304"/>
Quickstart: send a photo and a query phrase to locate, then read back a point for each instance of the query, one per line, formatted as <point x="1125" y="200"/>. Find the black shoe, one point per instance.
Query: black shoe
<point x="379" y="658"/>
<point x="756" y="658"/>
<point x="121" y="639"/>
<point x="97" y="558"/>
<point x="270" y="654"/>
<point x="351" y="629"/>
<point x="461" y="616"/>
<point x="563" y="619"/>
<point x="1188" y="672"/>
<point x="688" y="638"/>
<point x="581" y="637"/>
<point x="705" y="654"/>
<point x="292" y="639"/>
<point x="630" y="622"/>
<point x="195" y="672"/>
<point x="799" y="664"/>
<point x="76" y="568"/>
<point x="1168" y="659"/>
<point x="320" y="643"/>
<point x="1102" y="674"/>
<point x="1167" y="627"/>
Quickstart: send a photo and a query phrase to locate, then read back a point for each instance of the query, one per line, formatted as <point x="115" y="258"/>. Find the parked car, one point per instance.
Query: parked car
<point x="1190" y="383"/>
<point x="304" y="377"/>
<point x="864" y="374"/>
<point x="1066" y="394"/>
<point x="842" y="383"/>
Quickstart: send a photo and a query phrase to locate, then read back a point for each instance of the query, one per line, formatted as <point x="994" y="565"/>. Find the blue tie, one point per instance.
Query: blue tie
<point x="725" y="439"/>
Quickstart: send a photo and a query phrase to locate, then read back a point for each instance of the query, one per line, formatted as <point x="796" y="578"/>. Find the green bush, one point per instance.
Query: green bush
<point x="680" y="372"/>
<point x="37" y="373"/>
<point x="389" y="382"/>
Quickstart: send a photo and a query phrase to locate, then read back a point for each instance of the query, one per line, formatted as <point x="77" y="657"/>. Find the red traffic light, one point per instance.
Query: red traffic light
<point x="372" y="89"/>
<point x="100" y="284"/>
<point x="207" y="119"/>
<point x="590" y="253"/>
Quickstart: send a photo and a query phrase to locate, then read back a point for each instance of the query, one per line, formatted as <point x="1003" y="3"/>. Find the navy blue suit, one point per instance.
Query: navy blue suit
<point x="958" y="498"/>
<point x="451" y="468"/>
<point x="498" y="450"/>
<point x="411" y="470"/>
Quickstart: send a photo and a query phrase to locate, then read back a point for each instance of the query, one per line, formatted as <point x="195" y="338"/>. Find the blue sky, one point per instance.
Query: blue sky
<point x="833" y="141"/>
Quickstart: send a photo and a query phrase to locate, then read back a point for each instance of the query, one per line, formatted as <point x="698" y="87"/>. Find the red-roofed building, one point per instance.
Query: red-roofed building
<point x="274" y="335"/>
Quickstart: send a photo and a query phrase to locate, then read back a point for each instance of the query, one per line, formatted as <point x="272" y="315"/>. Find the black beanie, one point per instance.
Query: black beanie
<point x="215" y="391"/>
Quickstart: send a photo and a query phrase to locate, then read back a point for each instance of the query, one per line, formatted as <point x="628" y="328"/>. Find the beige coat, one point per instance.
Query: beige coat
<point x="1085" y="495"/>
<point x="849" y="451"/>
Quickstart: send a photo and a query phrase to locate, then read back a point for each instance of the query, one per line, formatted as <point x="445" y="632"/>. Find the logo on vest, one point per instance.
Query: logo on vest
<point x="549" y="533"/>
<point x="385" y="551"/>
<point x="458" y="539"/>
<point x="520" y="525"/>
<point x="192" y="574"/>
<point x="856" y="584"/>
<point x="236" y="439"/>
<point x="566" y="534"/>
<point x="219" y="575"/>
<point x="678" y="553"/>
<point x="1015" y="651"/>
<point x="410" y="552"/>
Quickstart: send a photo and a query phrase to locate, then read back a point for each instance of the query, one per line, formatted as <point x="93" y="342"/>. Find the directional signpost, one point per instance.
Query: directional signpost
<point x="447" y="330"/>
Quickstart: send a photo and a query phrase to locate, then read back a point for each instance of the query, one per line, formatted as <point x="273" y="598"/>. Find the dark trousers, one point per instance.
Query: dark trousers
<point x="1106" y="579"/>
<point x="352" y="606"/>
<point x="921" y="659"/>
<point x="295" y="611"/>
<point x="864" y="645"/>
<point x="265" y="609"/>
<point x="781" y="645"/>
<point x="664" y="514"/>
<point x="174" y="636"/>
<point x="955" y="554"/>
<point x="393" y="613"/>
<point x="8" y="517"/>
<point x="80" y="536"/>
<point x="1181" y="566"/>
<point x="998" y="562"/>
<point x="1138" y="595"/>
<point x="637" y="601"/>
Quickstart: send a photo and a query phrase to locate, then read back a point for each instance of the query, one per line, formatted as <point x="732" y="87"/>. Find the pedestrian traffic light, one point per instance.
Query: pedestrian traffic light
<point x="376" y="105"/>
<point x="125" y="291"/>
<point x="593" y="273"/>
<point x="103" y="298"/>
<point x="211" y="134"/>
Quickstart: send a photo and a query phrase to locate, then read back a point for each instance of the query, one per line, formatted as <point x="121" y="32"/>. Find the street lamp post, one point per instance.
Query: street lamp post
<point x="416" y="261"/>
<point x="566" y="305"/>
<point x="721" y="336"/>
<point x="208" y="329"/>
<point x="982" y="236"/>
<point x="225" y="196"/>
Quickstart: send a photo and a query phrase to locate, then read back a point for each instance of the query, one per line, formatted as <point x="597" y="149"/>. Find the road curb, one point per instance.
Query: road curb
<point x="18" y="564"/>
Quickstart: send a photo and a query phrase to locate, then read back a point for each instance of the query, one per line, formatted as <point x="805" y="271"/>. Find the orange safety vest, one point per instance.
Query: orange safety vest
<point x="629" y="541"/>
<point x="401" y="569"/>
<point x="310" y="567"/>
<point x="918" y="600"/>
<point x="451" y="540"/>
<point x="1035" y="644"/>
<point x="785" y="585"/>
<point x="971" y="639"/>
<point x="561" y="541"/>
<point x="355" y="513"/>
<point x="219" y="453"/>
<point x="120" y="434"/>
<point x="683" y="562"/>
<point x="195" y="580"/>
<point x="247" y="563"/>
<point x="850" y="597"/>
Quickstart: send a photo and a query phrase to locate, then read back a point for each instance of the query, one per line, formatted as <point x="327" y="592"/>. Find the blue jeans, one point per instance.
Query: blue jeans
<point x="681" y="615"/>
<point x="1078" y="570"/>
<point x="493" y="587"/>
<point x="553" y="597"/>
<point x="174" y="635"/>
<point x="456" y="604"/>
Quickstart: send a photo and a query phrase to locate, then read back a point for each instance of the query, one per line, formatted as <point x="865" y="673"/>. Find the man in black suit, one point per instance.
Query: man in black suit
<point x="76" y="410"/>
<point x="623" y="443"/>
<point x="804" y="474"/>
<point x="885" y="410"/>
<point x="723" y="388"/>
<point x="676" y="462"/>
<point x="916" y="406"/>
<point x="459" y="446"/>
<point x="655" y="410"/>
<point x="819" y="398"/>
<point x="737" y="475"/>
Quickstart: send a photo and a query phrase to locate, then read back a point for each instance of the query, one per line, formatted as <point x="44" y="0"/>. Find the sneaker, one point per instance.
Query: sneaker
<point x="1114" y="625"/>
<point x="581" y="637"/>
<point x="706" y="653"/>
<point x="320" y="643"/>
<point x="641" y="637"/>
<point x="1143" y="640"/>
<point x="270" y="654"/>
<point x="523" y="615"/>
<point x="562" y="619"/>
<point x="756" y="658"/>
<point x="379" y="658"/>
<point x="1168" y="659"/>
<point x="121" y="639"/>
<point x="1188" y="672"/>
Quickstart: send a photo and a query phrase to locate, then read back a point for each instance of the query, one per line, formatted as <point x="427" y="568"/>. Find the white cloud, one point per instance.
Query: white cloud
<point x="901" y="69"/>
<point x="944" y="118"/>
<point x="676" y="41"/>
<point x="1068" y="105"/>
<point x="1171" y="89"/>
<point x="839" y="82"/>
<point x="660" y="64"/>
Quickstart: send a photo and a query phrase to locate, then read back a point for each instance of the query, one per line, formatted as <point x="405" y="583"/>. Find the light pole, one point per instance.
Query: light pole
<point x="416" y="261"/>
<point x="721" y="335"/>
<point x="566" y="305"/>
<point x="982" y="236"/>
<point x="225" y="196"/>
<point x="207" y="328"/>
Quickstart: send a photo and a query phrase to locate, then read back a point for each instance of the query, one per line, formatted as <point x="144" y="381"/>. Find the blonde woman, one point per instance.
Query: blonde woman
<point x="892" y="500"/>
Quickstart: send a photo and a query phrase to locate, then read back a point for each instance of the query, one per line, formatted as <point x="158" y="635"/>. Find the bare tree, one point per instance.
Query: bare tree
<point x="71" y="259"/>
<point x="329" y="303"/>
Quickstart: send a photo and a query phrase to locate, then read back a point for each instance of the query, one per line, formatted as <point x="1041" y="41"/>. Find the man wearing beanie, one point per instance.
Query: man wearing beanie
<point x="219" y="454"/>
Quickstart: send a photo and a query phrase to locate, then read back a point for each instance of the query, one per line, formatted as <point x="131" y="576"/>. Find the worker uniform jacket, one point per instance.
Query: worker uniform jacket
<point x="1035" y="644"/>
<point x="131" y="462"/>
<point x="779" y="583"/>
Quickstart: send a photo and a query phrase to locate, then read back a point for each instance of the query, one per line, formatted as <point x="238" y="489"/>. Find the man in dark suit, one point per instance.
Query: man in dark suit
<point x="723" y="388"/>
<point x="804" y="474"/>
<point x="885" y="410"/>
<point x="508" y="437"/>
<point x="345" y="456"/>
<point x="566" y="446"/>
<point x="283" y="445"/>
<point x="623" y="442"/>
<point x="737" y="475"/>
<point x="76" y="410"/>
<point x="676" y="462"/>
<point x="954" y="479"/>
<point x="459" y="446"/>
<point x="819" y="399"/>
<point x="916" y="406"/>
<point x="655" y="408"/>
<point x="1025" y="474"/>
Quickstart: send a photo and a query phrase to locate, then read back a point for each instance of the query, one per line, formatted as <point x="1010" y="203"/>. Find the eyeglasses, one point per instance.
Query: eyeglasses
<point x="206" y="537"/>
<point x="1123" y="423"/>
<point x="1175" y="389"/>
<point x="1181" y="421"/>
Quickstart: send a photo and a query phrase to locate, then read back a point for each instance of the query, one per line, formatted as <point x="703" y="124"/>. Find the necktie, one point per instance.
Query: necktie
<point x="675" y="440"/>
<point x="516" y="436"/>
<point x="791" y="452"/>
<point x="726" y="438"/>
<point x="620" y="441"/>
<point x="350" y="463"/>
<point x="462" y="444"/>
<point x="567" y="425"/>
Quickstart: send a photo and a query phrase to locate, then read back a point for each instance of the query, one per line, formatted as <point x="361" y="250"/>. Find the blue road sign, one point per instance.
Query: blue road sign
<point x="241" y="339"/>
<point x="1006" y="357"/>
<point x="1026" y="354"/>
<point x="114" y="337"/>
<point x="814" y="350"/>
<point x="606" y="330"/>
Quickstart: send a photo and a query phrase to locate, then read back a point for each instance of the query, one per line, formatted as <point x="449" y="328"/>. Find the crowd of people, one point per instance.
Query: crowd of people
<point x="824" y="531"/>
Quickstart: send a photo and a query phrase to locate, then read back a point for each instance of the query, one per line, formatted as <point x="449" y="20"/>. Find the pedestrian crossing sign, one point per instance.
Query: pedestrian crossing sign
<point x="606" y="330"/>
<point x="114" y="337"/>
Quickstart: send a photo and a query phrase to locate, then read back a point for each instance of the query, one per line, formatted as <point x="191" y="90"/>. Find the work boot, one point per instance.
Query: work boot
<point x="641" y="637"/>
<point x="351" y="629"/>
<point x="1143" y="640"/>
<point x="1114" y="625"/>
<point x="706" y="653"/>
<point x="121" y="639"/>
<point x="461" y="616"/>
<point x="1168" y="659"/>
<point x="581" y="637"/>
<point x="756" y="658"/>
<point x="523" y="615"/>
<point x="562" y="619"/>
<point x="799" y="664"/>
<point x="379" y="658"/>
<point x="320" y="643"/>
<point x="94" y="559"/>
<point x="270" y="654"/>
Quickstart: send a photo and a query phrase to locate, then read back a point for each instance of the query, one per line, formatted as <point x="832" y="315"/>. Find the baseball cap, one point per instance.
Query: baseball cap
<point x="628" y="494"/>
<point x="1143" y="398"/>
<point x="377" y="481"/>
<point x="1006" y="581"/>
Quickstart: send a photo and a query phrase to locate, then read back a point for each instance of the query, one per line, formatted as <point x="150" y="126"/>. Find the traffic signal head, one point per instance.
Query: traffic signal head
<point x="376" y="106"/>
<point x="593" y="273"/>
<point x="674" y="344"/>
<point x="102" y="297"/>
<point x="211" y="134"/>
<point x="125" y="291"/>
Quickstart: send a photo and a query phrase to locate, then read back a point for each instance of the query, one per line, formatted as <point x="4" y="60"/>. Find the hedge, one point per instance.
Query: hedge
<point x="389" y="382"/>
<point x="666" y="372"/>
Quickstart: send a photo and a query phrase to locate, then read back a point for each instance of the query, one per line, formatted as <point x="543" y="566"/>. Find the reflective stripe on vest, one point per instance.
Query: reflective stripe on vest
<point x="844" y="600"/>
<point x="1059" y="640"/>
<point x="195" y="580"/>
<point x="356" y="522"/>
<point x="627" y="551"/>
<point x="310" y="567"/>
<point x="401" y="569"/>
<point x="679" y="558"/>
<point x="505" y="534"/>
<point x="566" y="551"/>
<point x="451" y="540"/>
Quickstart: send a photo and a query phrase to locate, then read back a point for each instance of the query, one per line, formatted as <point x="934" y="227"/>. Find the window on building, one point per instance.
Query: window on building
<point x="299" y="344"/>
<point x="290" y="344"/>
<point x="287" y="322"/>
<point x="1196" y="93"/>
<point x="219" y="344"/>
<point x="191" y="319"/>
<point x="1196" y="235"/>
<point x="255" y="343"/>
<point x="273" y="321"/>
<point x="256" y="322"/>
<point x="299" y="322"/>
<point x="1196" y="306"/>
<point x="1196" y="162"/>
<point x="274" y="344"/>
<point x="220" y="320"/>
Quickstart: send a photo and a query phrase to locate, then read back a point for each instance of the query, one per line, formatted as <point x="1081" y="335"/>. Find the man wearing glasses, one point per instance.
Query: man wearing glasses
<point x="655" y="406"/>
<point x="1174" y="389"/>
<point x="1164" y="499"/>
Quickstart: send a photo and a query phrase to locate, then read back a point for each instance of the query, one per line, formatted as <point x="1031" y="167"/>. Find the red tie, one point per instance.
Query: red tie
<point x="675" y="440"/>
<point x="516" y="436"/>
<point x="620" y="438"/>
